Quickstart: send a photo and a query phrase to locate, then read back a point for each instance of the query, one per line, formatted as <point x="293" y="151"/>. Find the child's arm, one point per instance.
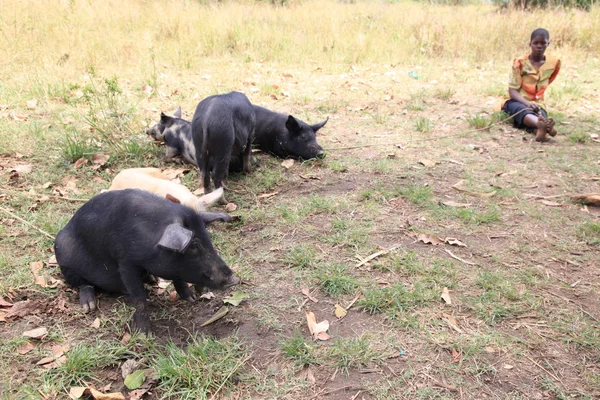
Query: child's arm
<point x="515" y="95"/>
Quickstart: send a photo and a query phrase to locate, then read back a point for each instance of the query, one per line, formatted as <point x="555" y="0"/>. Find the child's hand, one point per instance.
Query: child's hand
<point x="534" y="107"/>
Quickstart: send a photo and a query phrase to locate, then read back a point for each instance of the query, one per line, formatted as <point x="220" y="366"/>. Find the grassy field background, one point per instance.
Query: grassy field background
<point x="415" y="151"/>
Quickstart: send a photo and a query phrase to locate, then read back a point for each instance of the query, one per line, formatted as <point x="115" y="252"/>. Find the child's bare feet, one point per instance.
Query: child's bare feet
<point x="550" y="127"/>
<point x="540" y="135"/>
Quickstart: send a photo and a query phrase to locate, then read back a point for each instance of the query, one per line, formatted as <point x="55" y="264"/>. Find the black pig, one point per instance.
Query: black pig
<point x="222" y="131"/>
<point x="118" y="238"/>
<point x="286" y="136"/>
<point x="177" y="135"/>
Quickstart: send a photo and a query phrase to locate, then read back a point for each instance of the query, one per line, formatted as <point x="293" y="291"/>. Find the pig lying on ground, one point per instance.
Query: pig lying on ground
<point x="177" y="135"/>
<point x="117" y="238"/>
<point x="154" y="181"/>
<point x="286" y="136"/>
<point x="222" y="130"/>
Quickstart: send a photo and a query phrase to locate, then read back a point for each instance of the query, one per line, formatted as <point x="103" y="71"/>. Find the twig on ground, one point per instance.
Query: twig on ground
<point x="458" y="258"/>
<point x="234" y="370"/>
<point x="328" y="392"/>
<point x="545" y="370"/>
<point x="377" y="254"/>
<point x="27" y="223"/>
<point x="539" y="196"/>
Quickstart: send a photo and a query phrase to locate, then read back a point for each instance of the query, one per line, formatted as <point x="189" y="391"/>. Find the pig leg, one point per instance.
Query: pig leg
<point x="247" y="157"/>
<point x="132" y="278"/>
<point x="184" y="291"/>
<point x="87" y="298"/>
<point x="221" y="169"/>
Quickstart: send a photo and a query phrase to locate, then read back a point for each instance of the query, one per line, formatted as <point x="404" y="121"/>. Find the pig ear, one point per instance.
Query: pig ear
<point x="165" y="119"/>
<point x="318" y="126"/>
<point x="292" y="125"/>
<point x="209" y="217"/>
<point x="177" y="113"/>
<point x="172" y="198"/>
<point x="176" y="238"/>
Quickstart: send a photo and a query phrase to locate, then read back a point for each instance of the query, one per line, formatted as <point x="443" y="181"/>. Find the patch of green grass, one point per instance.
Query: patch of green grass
<point x="578" y="135"/>
<point x="205" y="367"/>
<point x="469" y="215"/>
<point x="331" y="106"/>
<point x="75" y="147"/>
<point x="84" y="360"/>
<point x="417" y="194"/>
<point x="496" y="90"/>
<point x="301" y="256"/>
<point x="589" y="232"/>
<point x="336" y="279"/>
<point x="337" y="166"/>
<point x="297" y="349"/>
<point x="477" y="121"/>
<point x="502" y="297"/>
<point x="348" y="232"/>
<point x="347" y="353"/>
<point x="423" y="124"/>
<point x="397" y="299"/>
<point x="444" y="93"/>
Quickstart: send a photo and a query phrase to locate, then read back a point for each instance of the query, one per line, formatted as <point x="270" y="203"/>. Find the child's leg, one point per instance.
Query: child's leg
<point x="525" y="117"/>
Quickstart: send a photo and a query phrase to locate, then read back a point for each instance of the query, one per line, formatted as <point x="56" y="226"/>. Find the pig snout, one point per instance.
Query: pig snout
<point x="320" y="154"/>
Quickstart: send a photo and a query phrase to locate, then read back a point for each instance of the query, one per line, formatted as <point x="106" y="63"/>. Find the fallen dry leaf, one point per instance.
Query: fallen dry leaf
<point x="307" y="177"/>
<point x="317" y="330"/>
<point x="429" y="239"/>
<point x="307" y="375"/>
<point x="592" y="199"/>
<point x="96" y="323"/>
<point x="22" y="169"/>
<point x="36" y="267"/>
<point x="446" y="296"/>
<point x="19" y="117"/>
<point x="428" y="163"/>
<point x="80" y="162"/>
<point x="126" y="338"/>
<point x="105" y="396"/>
<point x="26" y="348"/>
<point x="452" y="323"/>
<point x="230" y="207"/>
<point x="455" y="356"/>
<point x="100" y="159"/>
<point x="287" y="164"/>
<point x="507" y="366"/>
<point x="76" y="392"/>
<point x="451" y="203"/>
<point x="310" y="297"/>
<point x="36" y="333"/>
<point x="454" y="242"/>
<point x="31" y="104"/>
<point x="45" y="360"/>
<point x="21" y="309"/>
<point x="2" y="316"/>
<point x="4" y="303"/>
<point x="266" y="195"/>
<point x="551" y="203"/>
<point x="207" y="295"/>
<point x="340" y="312"/>
<point x="128" y="367"/>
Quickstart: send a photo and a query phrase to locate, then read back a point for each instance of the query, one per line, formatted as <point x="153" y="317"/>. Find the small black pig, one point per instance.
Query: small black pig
<point x="177" y="135"/>
<point x="286" y="136"/>
<point x="119" y="238"/>
<point x="222" y="131"/>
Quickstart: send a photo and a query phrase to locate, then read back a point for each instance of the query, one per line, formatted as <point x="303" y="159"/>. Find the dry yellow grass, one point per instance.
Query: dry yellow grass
<point x="58" y="38"/>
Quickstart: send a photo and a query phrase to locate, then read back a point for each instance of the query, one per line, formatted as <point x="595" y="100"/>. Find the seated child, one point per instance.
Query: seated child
<point x="529" y="79"/>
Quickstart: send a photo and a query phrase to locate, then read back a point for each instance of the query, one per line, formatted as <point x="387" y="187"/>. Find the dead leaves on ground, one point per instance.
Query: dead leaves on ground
<point x="317" y="330"/>
<point x="436" y="240"/>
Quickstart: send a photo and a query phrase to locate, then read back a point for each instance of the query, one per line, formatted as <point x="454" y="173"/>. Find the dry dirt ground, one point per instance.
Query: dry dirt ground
<point x="519" y="258"/>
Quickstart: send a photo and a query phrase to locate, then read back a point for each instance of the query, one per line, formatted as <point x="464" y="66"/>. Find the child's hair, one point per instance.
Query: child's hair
<point x="540" y="32"/>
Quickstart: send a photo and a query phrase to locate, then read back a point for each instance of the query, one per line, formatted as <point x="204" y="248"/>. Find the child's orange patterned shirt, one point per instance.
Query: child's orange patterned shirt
<point x="530" y="81"/>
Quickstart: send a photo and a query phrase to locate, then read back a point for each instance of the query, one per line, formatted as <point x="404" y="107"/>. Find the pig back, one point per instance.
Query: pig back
<point x="127" y="224"/>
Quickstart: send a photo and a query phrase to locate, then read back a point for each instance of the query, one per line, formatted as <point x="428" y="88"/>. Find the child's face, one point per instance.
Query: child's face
<point x="538" y="45"/>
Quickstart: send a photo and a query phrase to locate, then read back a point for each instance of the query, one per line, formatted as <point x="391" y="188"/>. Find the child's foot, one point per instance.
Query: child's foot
<point x="540" y="135"/>
<point x="550" y="127"/>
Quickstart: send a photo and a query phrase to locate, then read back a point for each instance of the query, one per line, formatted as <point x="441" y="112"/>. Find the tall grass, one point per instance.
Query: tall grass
<point x="53" y="36"/>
